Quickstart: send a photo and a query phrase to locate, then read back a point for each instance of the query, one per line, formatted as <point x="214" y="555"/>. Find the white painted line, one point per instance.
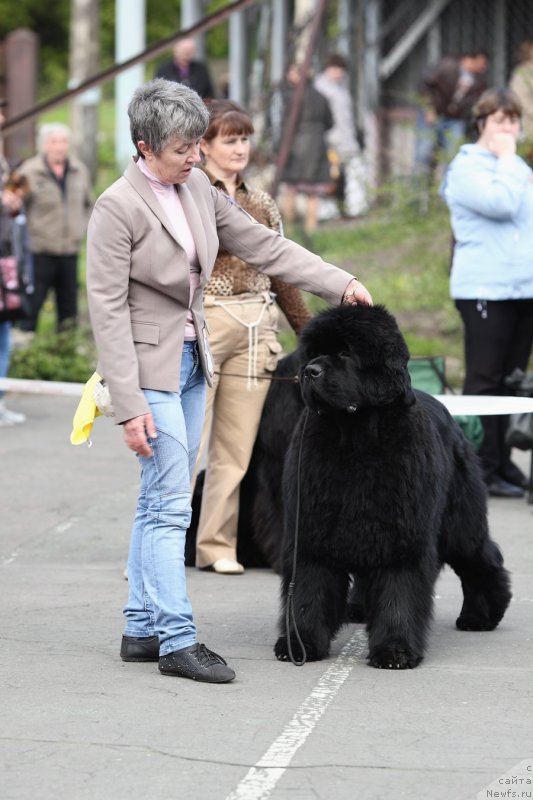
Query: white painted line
<point x="261" y="779"/>
<point x="9" y="559"/>
<point x="65" y="526"/>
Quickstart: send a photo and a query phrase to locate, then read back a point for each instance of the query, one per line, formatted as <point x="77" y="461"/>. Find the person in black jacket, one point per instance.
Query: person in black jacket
<point x="449" y="91"/>
<point x="184" y="69"/>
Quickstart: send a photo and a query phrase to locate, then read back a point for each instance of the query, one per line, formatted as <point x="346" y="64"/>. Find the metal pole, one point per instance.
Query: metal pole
<point x="371" y="86"/>
<point x="279" y="41"/>
<point x="500" y="50"/>
<point x="371" y="65"/>
<point x="191" y="12"/>
<point x="83" y="62"/>
<point x="344" y="18"/>
<point x="238" y="71"/>
<point x="130" y="40"/>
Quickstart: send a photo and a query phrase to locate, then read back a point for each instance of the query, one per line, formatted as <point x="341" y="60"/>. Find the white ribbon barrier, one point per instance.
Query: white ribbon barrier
<point x="58" y="388"/>
<point x="479" y="405"/>
<point x="457" y="404"/>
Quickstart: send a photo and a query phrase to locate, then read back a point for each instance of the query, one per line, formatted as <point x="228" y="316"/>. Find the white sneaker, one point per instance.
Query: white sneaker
<point x="9" y="418"/>
<point x="225" y="566"/>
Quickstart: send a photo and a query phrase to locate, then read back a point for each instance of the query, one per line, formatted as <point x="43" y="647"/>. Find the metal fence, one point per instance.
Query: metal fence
<point x="496" y="26"/>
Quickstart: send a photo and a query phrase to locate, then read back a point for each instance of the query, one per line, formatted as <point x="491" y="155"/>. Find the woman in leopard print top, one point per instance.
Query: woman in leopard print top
<point x="242" y="320"/>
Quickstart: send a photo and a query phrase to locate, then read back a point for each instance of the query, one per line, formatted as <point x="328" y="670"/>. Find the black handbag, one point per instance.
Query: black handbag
<point x="16" y="272"/>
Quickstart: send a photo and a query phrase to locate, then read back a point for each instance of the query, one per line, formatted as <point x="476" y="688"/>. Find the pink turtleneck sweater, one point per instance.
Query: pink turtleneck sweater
<point x="168" y="197"/>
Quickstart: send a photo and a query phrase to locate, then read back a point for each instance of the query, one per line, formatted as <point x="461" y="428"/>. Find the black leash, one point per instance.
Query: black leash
<point x="291" y="378"/>
<point x="289" y="610"/>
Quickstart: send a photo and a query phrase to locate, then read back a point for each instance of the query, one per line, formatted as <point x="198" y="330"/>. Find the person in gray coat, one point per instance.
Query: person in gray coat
<point x="307" y="169"/>
<point x="344" y="151"/>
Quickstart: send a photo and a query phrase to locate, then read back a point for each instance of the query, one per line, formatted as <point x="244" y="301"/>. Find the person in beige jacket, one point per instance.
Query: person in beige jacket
<point x="152" y="241"/>
<point x="241" y="308"/>
<point x="57" y="207"/>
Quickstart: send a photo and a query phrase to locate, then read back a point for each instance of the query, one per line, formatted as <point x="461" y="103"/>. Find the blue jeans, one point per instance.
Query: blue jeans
<point x="445" y="134"/>
<point x="5" y="349"/>
<point x="157" y="597"/>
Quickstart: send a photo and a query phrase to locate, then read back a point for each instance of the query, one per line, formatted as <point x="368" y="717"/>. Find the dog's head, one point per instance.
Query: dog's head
<point x="353" y="357"/>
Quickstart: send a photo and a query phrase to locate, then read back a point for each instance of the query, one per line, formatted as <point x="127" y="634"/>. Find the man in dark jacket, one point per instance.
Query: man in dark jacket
<point x="184" y="69"/>
<point x="449" y="90"/>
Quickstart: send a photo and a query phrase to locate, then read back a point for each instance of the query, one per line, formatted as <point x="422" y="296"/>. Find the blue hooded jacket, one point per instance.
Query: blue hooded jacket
<point x="491" y="206"/>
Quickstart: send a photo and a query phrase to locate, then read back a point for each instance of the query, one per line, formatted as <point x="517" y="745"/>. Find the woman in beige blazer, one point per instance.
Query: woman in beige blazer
<point x="152" y="241"/>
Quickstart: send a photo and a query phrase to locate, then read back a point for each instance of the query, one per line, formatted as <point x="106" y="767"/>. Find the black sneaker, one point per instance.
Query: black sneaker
<point x="135" y="648"/>
<point x="515" y="476"/>
<point x="198" y="663"/>
<point x="500" y="488"/>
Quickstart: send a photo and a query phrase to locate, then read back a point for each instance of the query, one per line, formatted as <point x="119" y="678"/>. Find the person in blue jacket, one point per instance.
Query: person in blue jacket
<point x="489" y="191"/>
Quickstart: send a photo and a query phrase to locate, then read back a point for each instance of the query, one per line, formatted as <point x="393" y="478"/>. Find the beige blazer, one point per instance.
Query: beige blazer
<point x="138" y="279"/>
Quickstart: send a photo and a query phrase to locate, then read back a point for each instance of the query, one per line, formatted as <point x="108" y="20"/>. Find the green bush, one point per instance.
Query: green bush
<point x="67" y="356"/>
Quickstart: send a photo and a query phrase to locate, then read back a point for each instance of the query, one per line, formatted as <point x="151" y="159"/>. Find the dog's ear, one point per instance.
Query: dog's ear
<point x="409" y="398"/>
<point x="402" y="385"/>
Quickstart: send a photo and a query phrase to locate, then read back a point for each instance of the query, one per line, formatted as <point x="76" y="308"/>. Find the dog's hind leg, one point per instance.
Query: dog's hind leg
<point x="400" y="607"/>
<point x="317" y="605"/>
<point x="356" y="608"/>
<point x="486" y="587"/>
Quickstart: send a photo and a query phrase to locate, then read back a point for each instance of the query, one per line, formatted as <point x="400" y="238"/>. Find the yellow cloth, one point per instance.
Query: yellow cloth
<point x="86" y="413"/>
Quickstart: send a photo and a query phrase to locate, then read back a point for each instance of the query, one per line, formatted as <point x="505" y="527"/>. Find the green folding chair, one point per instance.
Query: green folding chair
<point x="428" y="373"/>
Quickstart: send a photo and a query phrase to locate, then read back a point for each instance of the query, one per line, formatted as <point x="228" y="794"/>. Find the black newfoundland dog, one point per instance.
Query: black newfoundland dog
<point x="389" y="491"/>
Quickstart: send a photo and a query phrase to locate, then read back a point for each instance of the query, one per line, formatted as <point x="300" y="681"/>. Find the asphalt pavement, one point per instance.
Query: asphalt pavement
<point x="78" y="723"/>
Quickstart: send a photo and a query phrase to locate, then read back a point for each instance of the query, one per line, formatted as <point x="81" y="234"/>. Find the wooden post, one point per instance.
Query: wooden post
<point x="20" y="58"/>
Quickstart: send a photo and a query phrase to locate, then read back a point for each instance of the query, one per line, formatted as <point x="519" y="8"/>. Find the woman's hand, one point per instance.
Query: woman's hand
<point x="356" y="293"/>
<point x="502" y="143"/>
<point x="135" y="434"/>
<point x="11" y="201"/>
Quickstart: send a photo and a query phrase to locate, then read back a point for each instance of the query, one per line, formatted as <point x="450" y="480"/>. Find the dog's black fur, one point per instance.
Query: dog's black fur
<point x="390" y="491"/>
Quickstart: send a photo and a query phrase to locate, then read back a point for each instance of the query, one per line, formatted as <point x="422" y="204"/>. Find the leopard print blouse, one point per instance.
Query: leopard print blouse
<point x="232" y="276"/>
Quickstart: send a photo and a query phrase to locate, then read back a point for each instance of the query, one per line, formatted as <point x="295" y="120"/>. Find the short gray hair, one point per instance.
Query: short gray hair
<point x="47" y="129"/>
<point x="162" y="110"/>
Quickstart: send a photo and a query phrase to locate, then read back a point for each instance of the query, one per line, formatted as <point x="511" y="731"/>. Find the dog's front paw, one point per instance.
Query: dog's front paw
<point x="283" y="653"/>
<point x="394" y="656"/>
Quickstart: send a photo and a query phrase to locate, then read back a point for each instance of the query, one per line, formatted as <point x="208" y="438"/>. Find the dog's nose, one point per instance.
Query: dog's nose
<point x="313" y="371"/>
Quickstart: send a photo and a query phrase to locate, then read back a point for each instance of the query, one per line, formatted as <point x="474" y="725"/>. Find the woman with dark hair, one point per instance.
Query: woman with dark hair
<point x="242" y="319"/>
<point x="152" y="242"/>
<point x="489" y="192"/>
